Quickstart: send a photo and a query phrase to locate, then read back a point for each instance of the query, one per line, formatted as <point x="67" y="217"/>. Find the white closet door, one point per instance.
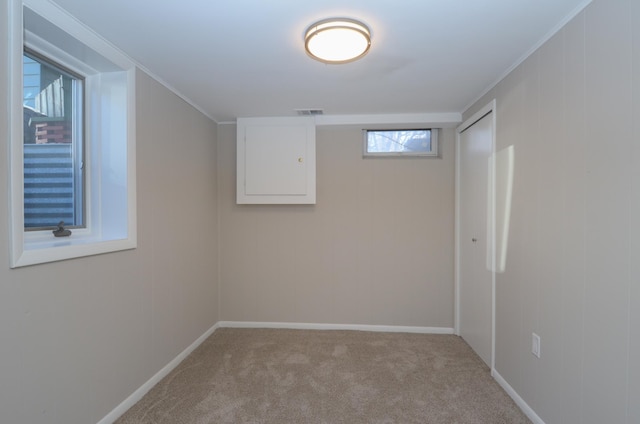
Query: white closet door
<point x="475" y="277"/>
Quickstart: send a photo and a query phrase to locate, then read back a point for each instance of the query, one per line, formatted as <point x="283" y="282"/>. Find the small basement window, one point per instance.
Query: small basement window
<point x="53" y="144"/>
<point x="416" y="142"/>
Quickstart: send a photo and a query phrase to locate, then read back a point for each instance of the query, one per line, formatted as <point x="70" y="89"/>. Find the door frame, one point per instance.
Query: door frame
<point x="489" y="108"/>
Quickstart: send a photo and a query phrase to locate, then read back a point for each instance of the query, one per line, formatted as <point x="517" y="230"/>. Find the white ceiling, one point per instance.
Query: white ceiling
<point x="236" y="58"/>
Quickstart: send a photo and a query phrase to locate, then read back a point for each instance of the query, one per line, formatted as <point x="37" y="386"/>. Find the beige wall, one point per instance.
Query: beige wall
<point x="376" y="249"/>
<point x="79" y="336"/>
<point x="572" y="111"/>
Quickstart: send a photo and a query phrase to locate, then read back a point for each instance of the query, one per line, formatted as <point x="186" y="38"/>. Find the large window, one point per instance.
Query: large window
<point x="420" y="142"/>
<point x="72" y="147"/>
<point x="53" y="144"/>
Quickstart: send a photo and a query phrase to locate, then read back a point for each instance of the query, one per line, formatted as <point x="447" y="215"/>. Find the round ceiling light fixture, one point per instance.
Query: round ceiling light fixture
<point x="337" y="40"/>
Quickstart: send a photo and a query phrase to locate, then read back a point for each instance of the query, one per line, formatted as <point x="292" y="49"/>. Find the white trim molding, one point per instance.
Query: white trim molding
<point x="148" y="385"/>
<point x="528" y="411"/>
<point x="579" y="8"/>
<point x="391" y="121"/>
<point x="354" y="327"/>
<point x="142" y="390"/>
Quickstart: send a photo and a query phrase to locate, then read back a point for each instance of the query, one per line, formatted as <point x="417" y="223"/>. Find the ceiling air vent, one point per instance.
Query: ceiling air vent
<point x="309" y="112"/>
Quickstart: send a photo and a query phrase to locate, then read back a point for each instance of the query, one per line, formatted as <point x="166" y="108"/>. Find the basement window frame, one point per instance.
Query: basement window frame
<point x="432" y="153"/>
<point x="42" y="27"/>
<point x="75" y="143"/>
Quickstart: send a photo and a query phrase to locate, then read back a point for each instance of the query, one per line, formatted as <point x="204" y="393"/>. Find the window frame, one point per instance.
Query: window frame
<point x="434" y="153"/>
<point x="78" y="136"/>
<point x="43" y="27"/>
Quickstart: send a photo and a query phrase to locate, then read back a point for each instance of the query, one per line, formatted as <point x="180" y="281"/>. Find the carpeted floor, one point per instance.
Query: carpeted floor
<point x="312" y="376"/>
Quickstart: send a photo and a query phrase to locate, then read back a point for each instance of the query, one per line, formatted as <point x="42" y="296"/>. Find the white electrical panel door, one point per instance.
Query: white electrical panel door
<point x="276" y="160"/>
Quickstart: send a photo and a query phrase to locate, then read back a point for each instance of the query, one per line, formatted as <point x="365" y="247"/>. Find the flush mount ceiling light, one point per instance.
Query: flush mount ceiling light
<point x="337" y="40"/>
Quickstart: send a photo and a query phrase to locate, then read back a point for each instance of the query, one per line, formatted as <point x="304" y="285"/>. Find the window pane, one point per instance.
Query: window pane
<point x="53" y="189"/>
<point x="403" y="141"/>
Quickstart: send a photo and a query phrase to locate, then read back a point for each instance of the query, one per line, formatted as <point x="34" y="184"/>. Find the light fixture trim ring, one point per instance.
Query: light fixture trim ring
<point x="331" y="24"/>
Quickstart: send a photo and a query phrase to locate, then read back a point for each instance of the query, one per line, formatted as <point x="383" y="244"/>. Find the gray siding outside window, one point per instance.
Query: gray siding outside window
<point x="48" y="185"/>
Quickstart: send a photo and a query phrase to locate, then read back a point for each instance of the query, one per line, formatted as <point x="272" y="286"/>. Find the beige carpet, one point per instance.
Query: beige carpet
<point x="300" y="376"/>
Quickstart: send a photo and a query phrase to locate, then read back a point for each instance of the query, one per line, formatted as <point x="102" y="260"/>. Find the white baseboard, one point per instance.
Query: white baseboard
<point x="138" y="394"/>
<point x="357" y="327"/>
<point x="517" y="399"/>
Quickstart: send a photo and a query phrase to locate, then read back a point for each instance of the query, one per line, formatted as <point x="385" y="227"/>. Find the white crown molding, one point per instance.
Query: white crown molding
<point x="531" y="51"/>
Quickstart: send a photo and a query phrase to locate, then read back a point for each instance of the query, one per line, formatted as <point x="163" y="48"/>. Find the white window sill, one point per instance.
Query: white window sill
<point x="40" y="248"/>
